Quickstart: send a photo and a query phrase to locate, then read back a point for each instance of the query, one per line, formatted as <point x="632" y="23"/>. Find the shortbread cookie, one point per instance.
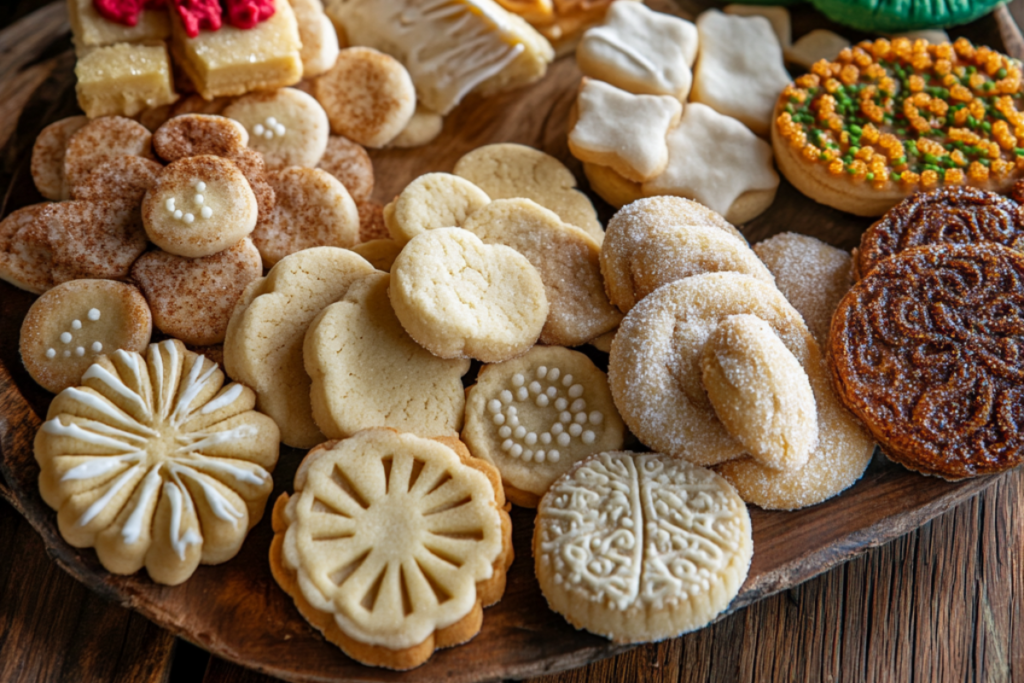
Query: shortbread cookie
<point x="192" y="299"/>
<point x="777" y="16"/>
<point x="380" y="253"/>
<point x="319" y="39"/>
<point x="190" y="135"/>
<point x="199" y="206"/>
<point x="760" y="392"/>
<point x="156" y="464"/>
<point x="312" y="209"/>
<point x="652" y="242"/>
<point x="368" y="96"/>
<point x="533" y="417"/>
<point x="433" y="200"/>
<point x="25" y="257"/>
<point x="640" y="51"/>
<point x="371" y="523"/>
<point x="48" y="157"/>
<point x="814" y="46"/>
<point x="263" y="346"/>
<point x="623" y="131"/>
<point x="611" y="186"/>
<point x="568" y="262"/>
<point x="641" y="547"/>
<point x="348" y="162"/>
<point x="286" y="126"/>
<point x="422" y="128"/>
<point x="507" y="171"/>
<point x="371" y="222"/>
<point x="98" y="239"/>
<point x="812" y="275"/>
<point x="68" y="327"/>
<point x="604" y="342"/>
<point x="364" y="369"/>
<point x="250" y="163"/>
<point x="101" y="140"/>
<point x="458" y="297"/>
<point x="124" y="178"/>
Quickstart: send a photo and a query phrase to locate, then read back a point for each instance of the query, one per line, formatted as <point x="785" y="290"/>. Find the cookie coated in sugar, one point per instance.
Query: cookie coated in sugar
<point x="100" y="140"/>
<point x="48" y="157"/>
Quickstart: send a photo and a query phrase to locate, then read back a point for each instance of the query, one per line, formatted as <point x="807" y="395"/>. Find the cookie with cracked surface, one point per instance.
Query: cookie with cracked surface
<point x="433" y="200"/>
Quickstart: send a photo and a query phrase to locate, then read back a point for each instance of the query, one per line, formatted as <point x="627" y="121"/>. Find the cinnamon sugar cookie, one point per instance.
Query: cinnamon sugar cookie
<point x="371" y="222"/>
<point x="250" y="163"/>
<point x="433" y="200"/>
<point x="191" y="135"/>
<point x="98" y="239"/>
<point x="48" y="157"/>
<point x="287" y="126"/>
<point x="100" y="140"/>
<point x="25" y="257"/>
<point x="124" y="178"/>
<point x="348" y="162"/>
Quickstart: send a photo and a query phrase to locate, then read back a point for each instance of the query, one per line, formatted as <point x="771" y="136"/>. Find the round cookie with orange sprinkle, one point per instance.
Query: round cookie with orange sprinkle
<point x="889" y="118"/>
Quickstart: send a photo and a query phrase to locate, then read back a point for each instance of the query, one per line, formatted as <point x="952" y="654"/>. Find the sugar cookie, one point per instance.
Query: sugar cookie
<point x="69" y="326"/>
<point x="611" y="186"/>
<point x="348" y="162"/>
<point x="25" y="257"/>
<point x="604" y="342"/>
<point x="98" y="239"/>
<point x="459" y="297"/>
<point x="371" y="222"/>
<point x="622" y="547"/>
<point x="378" y="497"/>
<point x="156" y="464"/>
<point x="422" y="128"/>
<point x="533" y="417"/>
<point x="319" y="39"/>
<point x="124" y="178"/>
<point x="814" y="46"/>
<point x="380" y="253"/>
<point x="101" y="140"/>
<point x="190" y="135"/>
<point x="286" y="126"/>
<point x="433" y="200"/>
<point x="250" y="163"/>
<point x="199" y="206"/>
<point x="197" y="104"/>
<point x="48" y="157"/>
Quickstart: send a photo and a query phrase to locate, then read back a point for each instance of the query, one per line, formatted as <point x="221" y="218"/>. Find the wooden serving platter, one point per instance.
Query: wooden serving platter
<point x="236" y="610"/>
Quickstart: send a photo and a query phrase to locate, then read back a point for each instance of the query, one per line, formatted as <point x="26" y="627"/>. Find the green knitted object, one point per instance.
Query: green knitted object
<point x="892" y="16"/>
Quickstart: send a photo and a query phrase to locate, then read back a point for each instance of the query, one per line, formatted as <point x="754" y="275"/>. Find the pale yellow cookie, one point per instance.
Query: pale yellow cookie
<point x="459" y="297"/>
<point x="48" y="157"/>
<point x="611" y="186"/>
<point x="189" y="135"/>
<point x="319" y="39"/>
<point x="533" y="417"/>
<point x="263" y="346"/>
<point x="348" y="162"/>
<point x="287" y="126"/>
<point x="433" y="200"/>
<point x="380" y="253"/>
<point x="197" y="104"/>
<point x="101" y="140"/>
<point x="604" y="342"/>
<point x="423" y="127"/>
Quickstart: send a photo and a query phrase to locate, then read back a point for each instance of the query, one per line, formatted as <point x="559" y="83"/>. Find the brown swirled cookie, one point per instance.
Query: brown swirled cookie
<point x="925" y="350"/>
<point x="956" y="214"/>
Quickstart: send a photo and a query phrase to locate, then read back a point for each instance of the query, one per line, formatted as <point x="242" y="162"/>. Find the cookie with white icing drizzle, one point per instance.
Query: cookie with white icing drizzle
<point x="155" y="463"/>
<point x="641" y="547"/>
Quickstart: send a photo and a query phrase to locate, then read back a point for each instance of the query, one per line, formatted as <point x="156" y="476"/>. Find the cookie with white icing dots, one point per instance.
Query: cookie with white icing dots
<point x="286" y="126"/>
<point x="433" y="200"/>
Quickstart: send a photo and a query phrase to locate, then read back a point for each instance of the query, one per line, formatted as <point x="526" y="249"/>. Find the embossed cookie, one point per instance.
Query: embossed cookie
<point x="100" y="140"/>
<point x="73" y="323"/>
<point x="125" y="179"/>
<point x="287" y="126"/>
<point x="567" y="260"/>
<point x="426" y="557"/>
<point x="433" y="200"/>
<point x="311" y="209"/>
<point x="348" y="162"/>
<point x="535" y="416"/>
<point x="263" y="346"/>
<point x="153" y="462"/>
<point x="192" y="299"/>
<point x="458" y="297"/>
<point x="48" y="157"/>
<point x="199" y="206"/>
<point x="622" y="546"/>
<point x="364" y="369"/>
<point x="191" y="135"/>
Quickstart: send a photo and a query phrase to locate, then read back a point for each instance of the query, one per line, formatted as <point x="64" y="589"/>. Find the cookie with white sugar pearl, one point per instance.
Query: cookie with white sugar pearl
<point x="199" y="206"/>
<point x="73" y="323"/>
<point x="287" y="126"/>
<point x="535" y="416"/>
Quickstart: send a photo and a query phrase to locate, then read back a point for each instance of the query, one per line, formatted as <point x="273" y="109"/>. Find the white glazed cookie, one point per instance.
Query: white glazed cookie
<point x="286" y="126"/>
<point x="48" y="157"/>
<point x="740" y="71"/>
<point x="319" y="39"/>
<point x="568" y="262"/>
<point x="263" y="346"/>
<point x="422" y="128"/>
<point x="68" y="327"/>
<point x="312" y="209"/>
<point x="392" y="545"/>
<point x="640" y="51"/>
<point x="155" y="463"/>
<point x="624" y="131"/>
<point x="777" y="16"/>
<point x="533" y="417"/>
<point x="100" y="140"/>
<point x="367" y="372"/>
<point x="459" y="297"/>
<point x="433" y="200"/>
<point x="641" y="547"/>
<point x="348" y="162"/>
<point x="507" y="170"/>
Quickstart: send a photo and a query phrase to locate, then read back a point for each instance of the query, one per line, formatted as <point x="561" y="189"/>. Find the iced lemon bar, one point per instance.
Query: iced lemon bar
<point x="123" y="79"/>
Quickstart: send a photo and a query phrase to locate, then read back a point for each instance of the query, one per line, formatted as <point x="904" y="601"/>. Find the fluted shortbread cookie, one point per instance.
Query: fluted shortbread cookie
<point x="48" y="157"/>
<point x="101" y="140"/>
<point x="286" y="126"/>
<point x="433" y="200"/>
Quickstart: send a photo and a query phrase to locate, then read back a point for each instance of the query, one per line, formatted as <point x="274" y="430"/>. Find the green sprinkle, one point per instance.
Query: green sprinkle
<point x="1019" y="151"/>
<point x="900" y="161"/>
<point x="788" y="109"/>
<point x="931" y="167"/>
<point x="856" y="130"/>
<point x="850" y="171"/>
<point x="988" y="85"/>
<point x="823" y="157"/>
<point x="887" y="119"/>
<point x="986" y="126"/>
<point x="972" y="122"/>
<point x="971" y="70"/>
<point x="941" y="121"/>
<point x="1001" y="73"/>
<point x="895" y="177"/>
<point x="984" y="162"/>
<point x="931" y="159"/>
<point x="853" y="151"/>
<point x="794" y="99"/>
<point x="948" y="163"/>
<point x="870" y="176"/>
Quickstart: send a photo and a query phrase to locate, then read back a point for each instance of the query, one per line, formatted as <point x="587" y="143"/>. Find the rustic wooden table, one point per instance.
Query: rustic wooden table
<point x="943" y="603"/>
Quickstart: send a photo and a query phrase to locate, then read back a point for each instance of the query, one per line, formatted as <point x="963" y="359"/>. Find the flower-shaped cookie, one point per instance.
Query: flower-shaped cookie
<point x="156" y="464"/>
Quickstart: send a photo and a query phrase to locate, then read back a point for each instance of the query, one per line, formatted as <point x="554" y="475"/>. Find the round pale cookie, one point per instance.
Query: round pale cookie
<point x="286" y="126"/>
<point x="760" y="392"/>
<point x="371" y="222"/>
<point x="100" y="140"/>
<point x="123" y="178"/>
<point x="197" y="104"/>
<point x="25" y="257"/>
<point x="507" y="170"/>
<point x="459" y="297"/>
<point x="378" y="497"/>
<point x="364" y="369"/>
<point x="317" y="35"/>
<point x="191" y="135"/>
<point x="348" y="162"/>
<point x="380" y="253"/>
<point x="99" y="239"/>
<point x="250" y="163"/>
<point x="192" y="299"/>
<point x="604" y="342"/>
<point x="199" y="206"/>
<point x="368" y="96"/>
<point x="611" y="186"/>
<point x="652" y="242"/>
<point x="155" y="463"/>
<point x="535" y="416"/>
<point x="48" y="157"/>
<point x="641" y="547"/>
<point x="73" y="323"/>
<point x="567" y="260"/>
<point x="422" y="128"/>
<point x="311" y="209"/>
<point x="433" y="200"/>
<point x="263" y="346"/>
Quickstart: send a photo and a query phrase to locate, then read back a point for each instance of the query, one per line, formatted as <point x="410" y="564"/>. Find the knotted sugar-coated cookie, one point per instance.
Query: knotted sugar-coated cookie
<point x="348" y="162"/>
<point x="71" y="325"/>
<point x="924" y="350"/>
<point x="287" y="126"/>
<point x="459" y="297"/>
<point x="122" y="178"/>
<point x="48" y="157"/>
<point x="433" y="200"/>
<point x="100" y="140"/>
<point x="191" y="135"/>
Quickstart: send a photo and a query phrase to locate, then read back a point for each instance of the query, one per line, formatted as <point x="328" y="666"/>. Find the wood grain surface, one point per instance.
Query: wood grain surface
<point x="937" y="604"/>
